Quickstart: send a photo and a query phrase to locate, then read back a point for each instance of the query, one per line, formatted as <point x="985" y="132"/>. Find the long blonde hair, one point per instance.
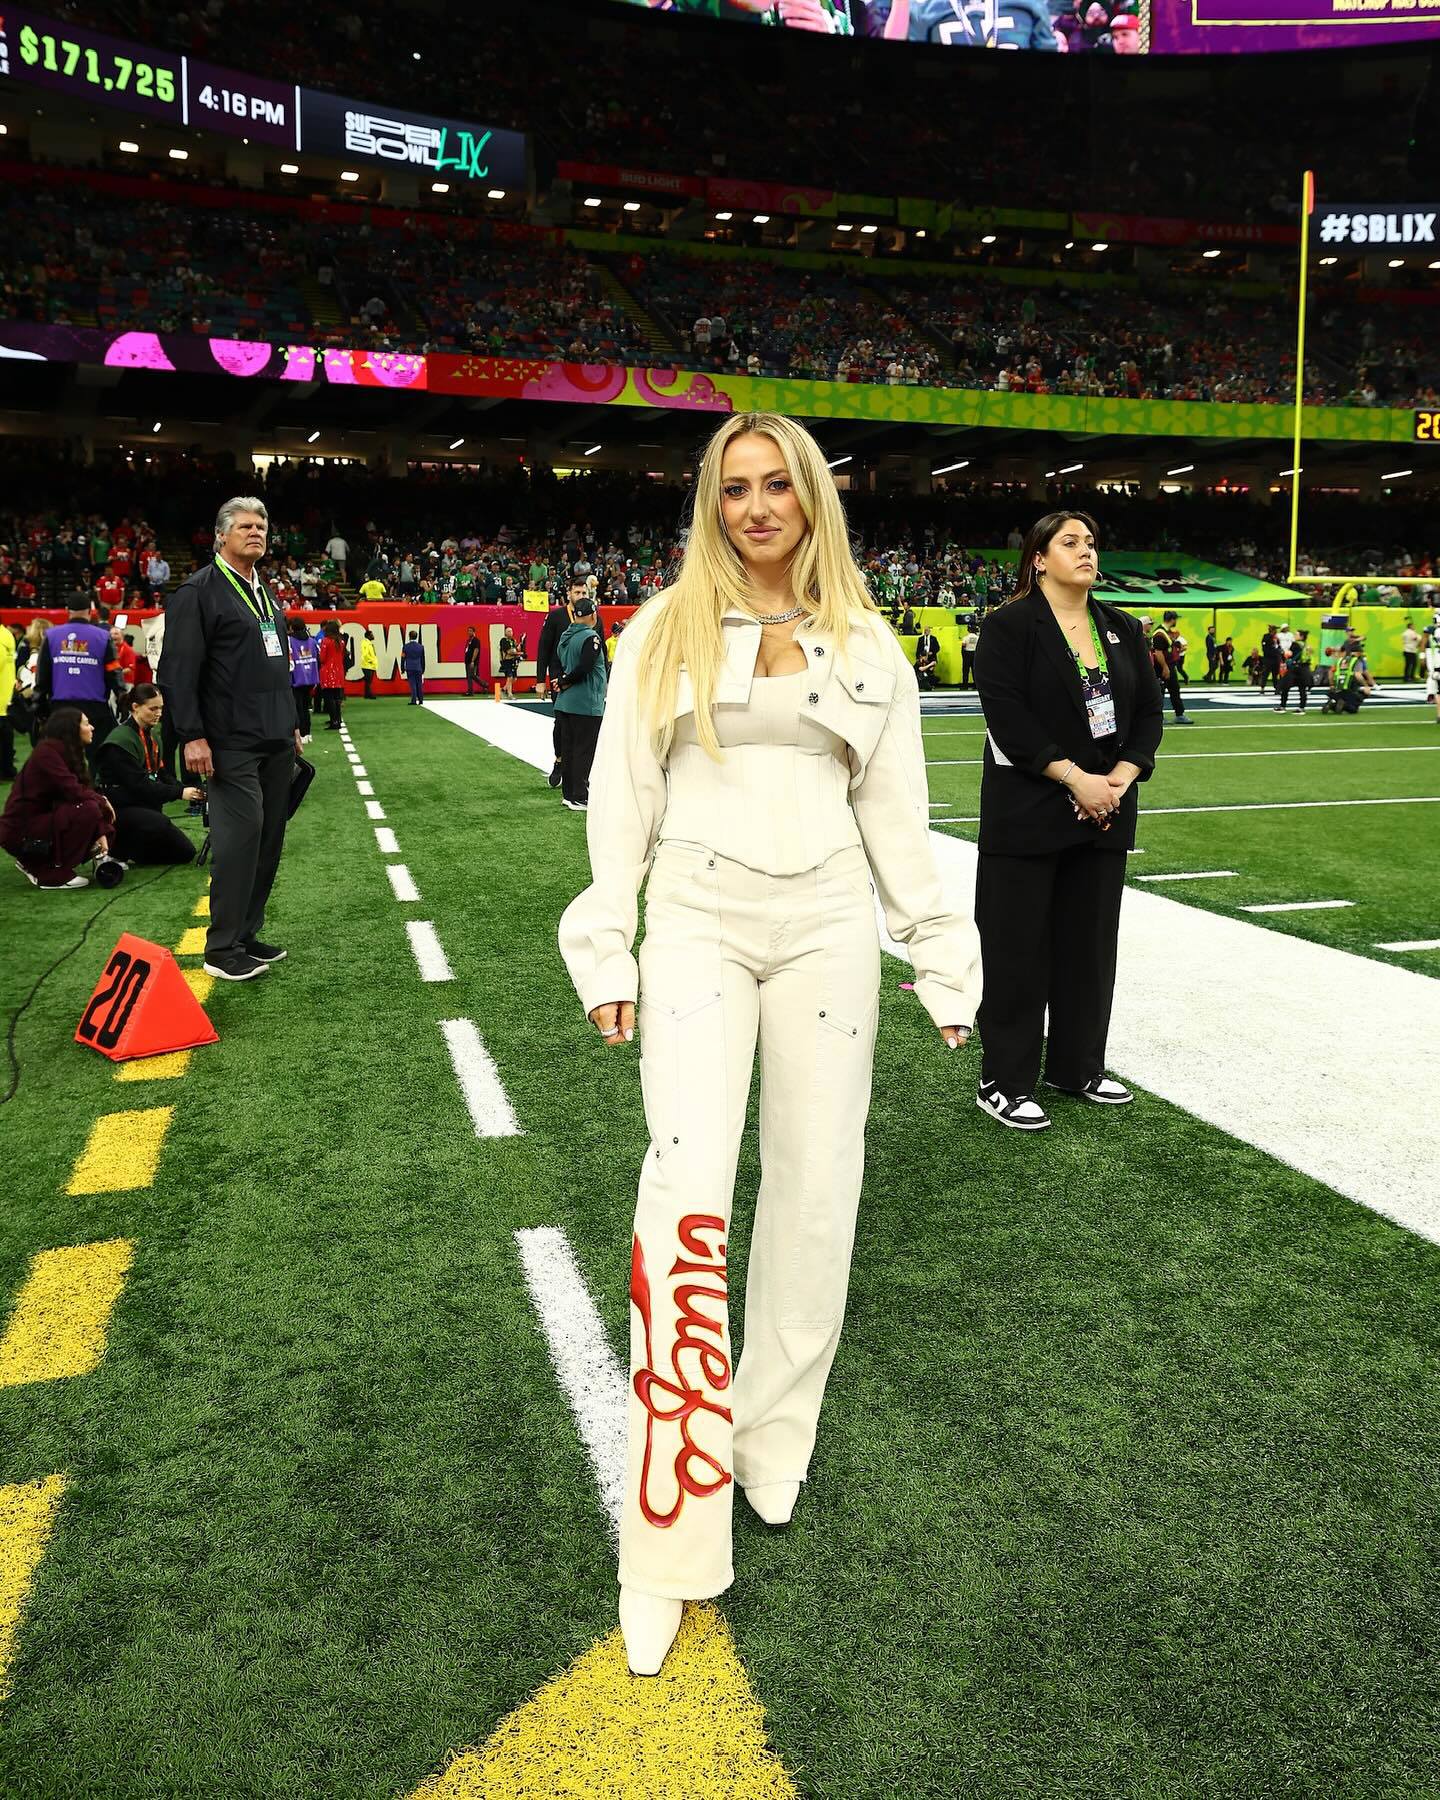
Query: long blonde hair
<point x="824" y="578"/>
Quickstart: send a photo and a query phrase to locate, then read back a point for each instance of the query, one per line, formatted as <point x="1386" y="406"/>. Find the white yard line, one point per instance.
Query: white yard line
<point x="1412" y="944"/>
<point x="1192" y="875"/>
<point x="588" y="1368"/>
<point x="385" y="839"/>
<point x="1257" y="1055"/>
<point x="1283" y="906"/>
<point x="402" y="882"/>
<point x="359" y="770"/>
<point x="1169" y="756"/>
<point x="433" y="963"/>
<point x="485" y="1098"/>
<point x="374" y="810"/>
<point x="1156" y="812"/>
<point x="365" y="787"/>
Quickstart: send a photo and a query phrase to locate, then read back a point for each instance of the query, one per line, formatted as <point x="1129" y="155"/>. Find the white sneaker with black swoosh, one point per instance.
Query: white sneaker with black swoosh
<point x="1021" y="1112"/>
<point x="1099" y="1088"/>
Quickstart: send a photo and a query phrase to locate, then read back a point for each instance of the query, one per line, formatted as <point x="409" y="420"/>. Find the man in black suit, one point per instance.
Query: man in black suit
<point x="225" y="676"/>
<point x="547" y="660"/>
<point x="927" y="656"/>
<point x="1072" y="707"/>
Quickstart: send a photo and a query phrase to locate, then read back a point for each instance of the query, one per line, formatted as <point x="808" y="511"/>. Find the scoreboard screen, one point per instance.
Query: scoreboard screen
<point x="180" y="91"/>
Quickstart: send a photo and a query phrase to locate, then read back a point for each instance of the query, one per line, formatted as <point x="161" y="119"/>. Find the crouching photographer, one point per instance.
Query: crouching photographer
<point x="54" y="819"/>
<point x="130" y="774"/>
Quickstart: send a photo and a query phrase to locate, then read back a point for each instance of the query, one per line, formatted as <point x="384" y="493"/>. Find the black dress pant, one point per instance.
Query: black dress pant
<point x="1172" y="688"/>
<point x="143" y="834"/>
<point x="249" y="804"/>
<point x="1049" y="926"/>
<point x="302" y="709"/>
<point x="579" y="734"/>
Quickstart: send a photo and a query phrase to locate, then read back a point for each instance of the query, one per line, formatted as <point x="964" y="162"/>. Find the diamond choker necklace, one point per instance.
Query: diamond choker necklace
<point x="784" y="618"/>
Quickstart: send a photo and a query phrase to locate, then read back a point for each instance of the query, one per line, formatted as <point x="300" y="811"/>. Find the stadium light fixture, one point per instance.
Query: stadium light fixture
<point x="1071" y="244"/>
<point x="632" y="206"/>
<point x="1070" y="469"/>
<point x="179" y="156"/>
<point x="129" y="148"/>
<point x="844" y="227"/>
<point x="1184" y="469"/>
<point x="1396" y="262"/>
<point x="591" y="451"/>
<point x="289" y="168"/>
<point x="1209" y="255"/>
<point x="1099" y="246"/>
<point x="761" y="219"/>
<point x="839" y="460"/>
<point x="313" y="437"/>
<point x="4" y="130"/>
<point x="950" y="468"/>
<point x="416" y="55"/>
<point x="1299" y="471"/>
<point x="725" y="216"/>
<point x="1049" y="474"/>
<point x="594" y="200"/>
<point x="989" y="238"/>
<point x="867" y="229"/>
<point x="156" y="426"/>
<point x="439" y="187"/>
<point x="494" y="193"/>
<point x="1395" y="474"/>
<point x="921" y="232"/>
<point x="1325" y="261"/>
<point x="458" y="442"/>
<point x="1435" y="265"/>
<point x="349" y="175"/>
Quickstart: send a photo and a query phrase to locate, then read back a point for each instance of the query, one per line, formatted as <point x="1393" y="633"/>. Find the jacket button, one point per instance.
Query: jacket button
<point x="819" y="649"/>
<point x="822" y="1015"/>
<point x="859" y="687"/>
<point x="814" y="699"/>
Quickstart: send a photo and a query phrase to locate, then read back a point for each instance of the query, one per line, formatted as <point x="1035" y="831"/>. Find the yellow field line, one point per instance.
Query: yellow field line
<point x="155" y="1068"/>
<point x="121" y="1152"/>
<point x="199" y="983"/>
<point x="599" y="1733"/>
<point x="202" y="907"/>
<point x="27" y="1516"/>
<point x="192" y="941"/>
<point x="63" y="1311"/>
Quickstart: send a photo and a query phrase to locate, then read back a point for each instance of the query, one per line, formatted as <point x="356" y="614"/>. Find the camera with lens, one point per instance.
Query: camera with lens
<point x="109" y="870"/>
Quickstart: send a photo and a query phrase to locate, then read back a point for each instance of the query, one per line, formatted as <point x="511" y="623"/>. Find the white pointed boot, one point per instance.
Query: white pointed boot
<point x="774" y="1501"/>
<point x="648" y="1624"/>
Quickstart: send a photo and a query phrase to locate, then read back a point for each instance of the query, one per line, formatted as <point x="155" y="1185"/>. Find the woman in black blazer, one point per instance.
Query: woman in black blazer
<point x="1073" y="713"/>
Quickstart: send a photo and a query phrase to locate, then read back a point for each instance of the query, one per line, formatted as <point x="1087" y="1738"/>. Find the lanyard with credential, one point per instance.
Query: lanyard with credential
<point x="1099" y="653"/>
<point x="260" y="612"/>
<point x="1095" y="687"/>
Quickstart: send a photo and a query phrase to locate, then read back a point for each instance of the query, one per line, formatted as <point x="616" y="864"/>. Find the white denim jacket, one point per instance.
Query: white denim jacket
<point x="866" y="695"/>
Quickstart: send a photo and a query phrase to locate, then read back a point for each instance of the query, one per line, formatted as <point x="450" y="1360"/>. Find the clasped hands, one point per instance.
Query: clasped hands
<point x="615" y="1021"/>
<point x="1097" y="797"/>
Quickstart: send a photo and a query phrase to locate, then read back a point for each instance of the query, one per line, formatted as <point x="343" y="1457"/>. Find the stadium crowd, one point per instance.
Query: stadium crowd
<point x="392" y="282"/>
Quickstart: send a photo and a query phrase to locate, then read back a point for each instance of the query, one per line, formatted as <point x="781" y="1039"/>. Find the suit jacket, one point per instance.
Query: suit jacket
<point x="218" y="682"/>
<point x="927" y="644"/>
<point x="1035" y="714"/>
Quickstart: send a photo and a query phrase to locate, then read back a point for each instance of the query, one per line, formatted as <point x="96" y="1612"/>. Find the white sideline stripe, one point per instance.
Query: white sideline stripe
<point x="359" y="770"/>
<point x="365" y="787"/>
<point x="385" y="838"/>
<point x="433" y="962"/>
<point x="1412" y="944"/>
<point x="1220" y="1056"/>
<point x="1316" y="724"/>
<point x="587" y="1366"/>
<point x="485" y="1098"/>
<point x="524" y="735"/>
<point x="1157" y="812"/>
<point x="1169" y="756"/>
<point x="1191" y="875"/>
<point x="402" y="882"/>
<point x="374" y="810"/>
<point x="1277" y="906"/>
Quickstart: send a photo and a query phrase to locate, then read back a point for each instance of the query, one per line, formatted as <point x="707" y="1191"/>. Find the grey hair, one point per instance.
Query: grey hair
<point x="228" y="513"/>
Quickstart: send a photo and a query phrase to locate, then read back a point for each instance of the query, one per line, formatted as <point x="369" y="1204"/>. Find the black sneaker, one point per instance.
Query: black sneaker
<point x="554" y="776"/>
<point x="1022" y="1112"/>
<point x="234" y="965"/>
<point x="265" y="953"/>
<point x="1099" y="1088"/>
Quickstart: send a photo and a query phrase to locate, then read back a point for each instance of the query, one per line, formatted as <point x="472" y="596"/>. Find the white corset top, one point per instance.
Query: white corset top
<point x="779" y="801"/>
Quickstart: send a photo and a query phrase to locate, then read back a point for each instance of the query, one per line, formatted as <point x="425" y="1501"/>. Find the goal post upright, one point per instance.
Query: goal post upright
<point x="1307" y="203"/>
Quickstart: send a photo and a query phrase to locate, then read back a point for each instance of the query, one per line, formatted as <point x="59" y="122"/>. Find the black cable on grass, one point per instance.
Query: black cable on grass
<point x="45" y="974"/>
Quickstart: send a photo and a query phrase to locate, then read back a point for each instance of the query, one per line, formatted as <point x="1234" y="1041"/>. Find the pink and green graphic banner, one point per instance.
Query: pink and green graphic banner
<point x="682" y="390"/>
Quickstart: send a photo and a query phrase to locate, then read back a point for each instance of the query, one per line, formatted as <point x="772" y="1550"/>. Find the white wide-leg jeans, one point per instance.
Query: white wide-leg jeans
<point x="730" y="954"/>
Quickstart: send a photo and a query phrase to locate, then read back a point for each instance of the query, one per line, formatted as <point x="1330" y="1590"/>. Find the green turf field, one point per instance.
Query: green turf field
<point x="1125" y="1484"/>
<point x="1382" y="858"/>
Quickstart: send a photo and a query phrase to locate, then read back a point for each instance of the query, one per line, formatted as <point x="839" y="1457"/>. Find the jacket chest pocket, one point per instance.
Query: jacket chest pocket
<point x="855" y="705"/>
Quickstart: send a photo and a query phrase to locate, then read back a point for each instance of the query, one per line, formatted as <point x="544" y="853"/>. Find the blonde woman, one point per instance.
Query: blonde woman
<point x="760" y="758"/>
